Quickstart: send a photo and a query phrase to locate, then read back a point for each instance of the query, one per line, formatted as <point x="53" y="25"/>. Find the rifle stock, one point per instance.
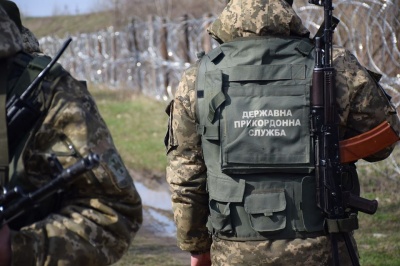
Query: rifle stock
<point x="368" y="143"/>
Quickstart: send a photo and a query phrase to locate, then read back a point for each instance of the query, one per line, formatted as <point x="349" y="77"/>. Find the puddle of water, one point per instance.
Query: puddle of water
<point x="160" y="223"/>
<point x="155" y="199"/>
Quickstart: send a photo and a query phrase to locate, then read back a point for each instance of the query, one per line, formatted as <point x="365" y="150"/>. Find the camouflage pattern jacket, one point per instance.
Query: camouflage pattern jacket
<point x="94" y="221"/>
<point x="363" y="106"/>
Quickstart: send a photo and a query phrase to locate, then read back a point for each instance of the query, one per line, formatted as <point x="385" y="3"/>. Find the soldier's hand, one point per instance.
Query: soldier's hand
<point x="5" y="246"/>
<point x="200" y="259"/>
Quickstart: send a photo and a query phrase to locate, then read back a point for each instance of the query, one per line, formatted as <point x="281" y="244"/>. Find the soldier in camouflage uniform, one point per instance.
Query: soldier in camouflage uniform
<point x="93" y="221"/>
<point x="363" y="105"/>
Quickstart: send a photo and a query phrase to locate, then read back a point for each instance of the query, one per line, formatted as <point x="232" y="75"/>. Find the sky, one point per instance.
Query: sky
<point x="41" y="8"/>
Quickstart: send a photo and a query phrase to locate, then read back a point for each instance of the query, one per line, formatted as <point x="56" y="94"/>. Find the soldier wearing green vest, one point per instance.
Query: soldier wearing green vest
<point x="240" y="162"/>
<point x="94" y="219"/>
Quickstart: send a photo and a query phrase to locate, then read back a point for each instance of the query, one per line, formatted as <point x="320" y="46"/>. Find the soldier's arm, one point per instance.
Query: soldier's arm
<point x="364" y="104"/>
<point x="186" y="172"/>
<point x="100" y="213"/>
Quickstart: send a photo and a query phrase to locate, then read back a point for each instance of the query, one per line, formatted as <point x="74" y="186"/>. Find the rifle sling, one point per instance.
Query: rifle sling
<point x="3" y="124"/>
<point x="368" y="143"/>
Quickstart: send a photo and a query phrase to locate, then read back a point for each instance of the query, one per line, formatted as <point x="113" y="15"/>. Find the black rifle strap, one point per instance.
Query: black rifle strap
<point x="3" y="124"/>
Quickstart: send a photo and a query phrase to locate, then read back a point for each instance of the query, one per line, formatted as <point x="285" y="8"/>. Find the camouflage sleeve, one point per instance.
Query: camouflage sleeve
<point x="10" y="36"/>
<point x="364" y="104"/>
<point x="100" y="213"/>
<point x="186" y="171"/>
<point x="29" y="41"/>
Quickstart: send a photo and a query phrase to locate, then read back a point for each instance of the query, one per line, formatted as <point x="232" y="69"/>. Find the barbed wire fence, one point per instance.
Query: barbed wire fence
<point x="145" y="56"/>
<point x="370" y="30"/>
<point x="149" y="57"/>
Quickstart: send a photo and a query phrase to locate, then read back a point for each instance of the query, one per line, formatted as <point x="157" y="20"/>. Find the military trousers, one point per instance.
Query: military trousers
<point x="309" y="251"/>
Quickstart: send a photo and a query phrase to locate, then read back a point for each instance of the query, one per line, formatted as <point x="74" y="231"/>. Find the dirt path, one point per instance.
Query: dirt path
<point x="150" y="249"/>
<point x="152" y="246"/>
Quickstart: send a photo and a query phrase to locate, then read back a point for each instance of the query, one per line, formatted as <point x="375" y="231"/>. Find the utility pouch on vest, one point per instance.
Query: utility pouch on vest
<point x="257" y="113"/>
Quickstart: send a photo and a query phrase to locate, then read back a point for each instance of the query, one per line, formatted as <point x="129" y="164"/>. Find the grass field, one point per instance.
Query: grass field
<point x="138" y="125"/>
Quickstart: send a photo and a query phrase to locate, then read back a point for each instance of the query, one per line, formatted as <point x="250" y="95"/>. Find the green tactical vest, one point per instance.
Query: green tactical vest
<point x="253" y="111"/>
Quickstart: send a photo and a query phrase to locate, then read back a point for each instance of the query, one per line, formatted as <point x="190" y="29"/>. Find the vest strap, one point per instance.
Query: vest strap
<point x="35" y="66"/>
<point x="342" y="225"/>
<point x="216" y="94"/>
<point x="209" y="132"/>
<point x="213" y="54"/>
<point x="304" y="48"/>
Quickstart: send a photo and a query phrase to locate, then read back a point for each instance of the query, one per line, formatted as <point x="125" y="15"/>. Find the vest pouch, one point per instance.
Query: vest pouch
<point x="223" y="192"/>
<point x="266" y="211"/>
<point x="265" y="128"/>
<point x="220" y="217"/>
<point x="312" y="215"/>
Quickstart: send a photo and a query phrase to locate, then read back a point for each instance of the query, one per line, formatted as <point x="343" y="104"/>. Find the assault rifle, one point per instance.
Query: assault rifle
<point x="24" y="110"/>
<point x="15" y="202"/>
<point x="331" y="197"/>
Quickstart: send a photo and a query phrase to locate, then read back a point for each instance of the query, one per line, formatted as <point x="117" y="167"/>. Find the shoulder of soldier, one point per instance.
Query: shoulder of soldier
<point x="10" y="36"/>
<point x="29" y="41"/>
<point x="344" y="60"/>
<point x="351" y="74"/>
<point x="188" y="80"/>
<point x="192" y="71"/>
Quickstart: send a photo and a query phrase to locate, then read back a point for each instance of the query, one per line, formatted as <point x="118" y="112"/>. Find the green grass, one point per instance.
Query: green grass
<point x="379" y="235"/>
<point x="137" y="124"/>
<point x="378" y="238"/>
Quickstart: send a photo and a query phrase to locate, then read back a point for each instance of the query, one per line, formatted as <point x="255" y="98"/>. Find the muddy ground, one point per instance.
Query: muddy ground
<point x="155" y="243"/>
<point x="148" y="248"/>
